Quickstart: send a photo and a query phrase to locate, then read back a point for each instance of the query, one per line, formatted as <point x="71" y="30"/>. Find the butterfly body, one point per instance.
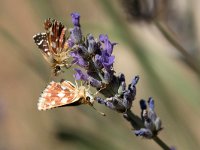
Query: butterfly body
<point x="64" y="93"/>
<point x="53" y="45"/>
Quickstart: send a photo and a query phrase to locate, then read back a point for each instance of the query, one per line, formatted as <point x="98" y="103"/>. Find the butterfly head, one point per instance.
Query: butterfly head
<point x="89" y="98"/>
<point x="57" y="69"/>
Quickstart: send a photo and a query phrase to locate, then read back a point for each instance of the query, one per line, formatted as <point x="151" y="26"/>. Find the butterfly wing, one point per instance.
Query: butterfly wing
<point x="57" y="94"/>
<point x="41" y="41"/>
<point x="56" y="35"/>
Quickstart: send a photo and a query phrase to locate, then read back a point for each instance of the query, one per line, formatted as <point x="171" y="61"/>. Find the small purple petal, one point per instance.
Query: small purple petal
<point x="75" y="19"/>
<point x="143" y="104"/>
<point x="135" y="80"/>
<point x="144" y="132"/>
<point x="70" y="43"/>
<point x="92" y="45"/>
<point x="78" y="59"/>
<point x="108" y="62"/>
<point x="80" y="75"/>
<point x="110" y="105"/>
<point x="98" y="61"/>
<point x="127" y="101"/>
<point x="76" y="35"/>
<point x="108" y="46"/>
<point x="107" y="77"/>
<point x="121" y="77"/>
<point x="151" y="103"/>
<point x="102" y="38"/>
<point x="95" y="83"/>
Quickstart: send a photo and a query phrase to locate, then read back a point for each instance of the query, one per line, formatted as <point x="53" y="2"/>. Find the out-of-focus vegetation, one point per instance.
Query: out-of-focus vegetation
<point x="143" y="49"/>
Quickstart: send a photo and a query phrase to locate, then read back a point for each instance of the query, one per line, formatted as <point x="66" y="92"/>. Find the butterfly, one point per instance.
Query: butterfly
<point x="64" y="93"/>
<point x="53" y="45"/>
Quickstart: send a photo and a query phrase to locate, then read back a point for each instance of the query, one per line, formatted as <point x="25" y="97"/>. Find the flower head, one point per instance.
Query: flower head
<point x="75" y="19"/>
<point x="152" y="123"/>
<point x="108" y="46"/>
<point x="122" y="100"/>
<point x="75" y="32"/>
<point x="107" y="60"/>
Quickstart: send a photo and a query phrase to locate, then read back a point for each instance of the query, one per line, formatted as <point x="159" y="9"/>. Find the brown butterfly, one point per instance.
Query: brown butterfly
<point x="53" y="45"/>
<point x="64" y="93"/>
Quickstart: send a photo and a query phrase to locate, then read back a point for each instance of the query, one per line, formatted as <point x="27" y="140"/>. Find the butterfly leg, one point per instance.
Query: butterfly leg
<point x="67" y="65"/>
<point x="102" y="87"/>
<point x="88" y="88"/>
<point x="76" y="84"/>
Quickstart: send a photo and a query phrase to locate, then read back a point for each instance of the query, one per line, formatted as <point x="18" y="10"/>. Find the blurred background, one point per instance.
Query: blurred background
<point x="157" y="40"/>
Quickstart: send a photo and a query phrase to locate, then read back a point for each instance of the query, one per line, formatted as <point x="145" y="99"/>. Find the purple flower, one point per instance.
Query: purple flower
<point x="79" y="75"/>
<point x="122" y="100"/>
<point x="78" y="59"/>
<point x="132" y="86"/>
<point x="108" y="46"/>
<point x="114" y="103"/>
<point x="107" y="60"/>
<point x="105" y="102"/>
<point x="104" y="60"/>
<point x="152" y="123"/>
<point x="143" y="104"/>
<point x="151" y="103"/>
<point x="144" y="132"/>
<point x="70" y="43"/>
<point x="75" y="35"/>
<point x="127" y="99"/>
<point x="121" y="77"/>
<point x="135" y="80"/>
<point x="98" y="62"/>
<point x="92" y="45"/>
<point x="75" y="19"/>
<point x="107" y="77"/>
<point x="95" y="83"/>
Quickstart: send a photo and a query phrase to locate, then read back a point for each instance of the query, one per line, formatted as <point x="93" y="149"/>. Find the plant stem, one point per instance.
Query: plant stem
<point x="192" y="61"/>
<point x="137" y="123"/>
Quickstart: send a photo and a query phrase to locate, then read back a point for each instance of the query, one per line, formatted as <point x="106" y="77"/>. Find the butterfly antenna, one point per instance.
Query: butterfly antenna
<point x="50" y="77"/>
<point x="99" y="90"/>
<point x="76" y="83"/>
<point x="103" y="114"/>
<point x="88" y="87"/>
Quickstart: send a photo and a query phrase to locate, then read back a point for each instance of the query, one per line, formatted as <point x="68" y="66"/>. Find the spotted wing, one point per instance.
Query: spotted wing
<point x="41" y="41"/>
<point x="55" y="35"/>
<point x="57" y="94"/>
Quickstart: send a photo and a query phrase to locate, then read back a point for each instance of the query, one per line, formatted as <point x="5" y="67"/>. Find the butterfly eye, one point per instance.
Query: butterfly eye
<point x="87" y="98"/>
<point x="57" y="68"/>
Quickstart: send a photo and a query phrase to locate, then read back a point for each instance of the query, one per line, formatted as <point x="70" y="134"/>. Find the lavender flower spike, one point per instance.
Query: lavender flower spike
<point x="75" y="33"/>
<point x="93" y="60"/>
